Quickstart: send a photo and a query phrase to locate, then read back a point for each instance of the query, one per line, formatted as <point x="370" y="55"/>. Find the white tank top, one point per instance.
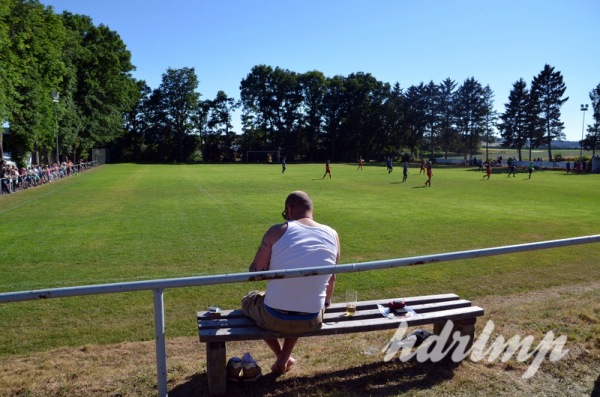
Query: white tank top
<point x="301" y="246"/>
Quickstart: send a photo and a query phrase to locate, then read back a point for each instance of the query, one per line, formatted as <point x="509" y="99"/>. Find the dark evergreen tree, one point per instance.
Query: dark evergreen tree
<point x="416" y="118"/>
<point x="513" y="122"/>
<point x="549" y="89"/>
<point x="592" y="138"/>
<point x="448" y="135"/>
<point x="490" y="116"/>
<point x="534" y="124"/>
<point x="395" y="127"/>
<point x="431" y="99"/>
<point x="471" y="110"/>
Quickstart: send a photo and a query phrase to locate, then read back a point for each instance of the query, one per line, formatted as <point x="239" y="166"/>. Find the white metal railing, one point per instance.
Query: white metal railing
<point x="158" y="286"/>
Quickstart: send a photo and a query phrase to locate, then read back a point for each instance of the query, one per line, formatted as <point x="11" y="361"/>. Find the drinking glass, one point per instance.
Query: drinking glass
<point x="351" y="299"/>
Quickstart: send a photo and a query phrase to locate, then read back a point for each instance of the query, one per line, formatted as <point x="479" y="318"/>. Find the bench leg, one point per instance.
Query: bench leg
<point x="215" y="367"/>
<point x="464" y="327"/>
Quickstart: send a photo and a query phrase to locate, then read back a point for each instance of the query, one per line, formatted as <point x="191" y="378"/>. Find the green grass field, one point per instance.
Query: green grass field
<point x="130" y="222"/>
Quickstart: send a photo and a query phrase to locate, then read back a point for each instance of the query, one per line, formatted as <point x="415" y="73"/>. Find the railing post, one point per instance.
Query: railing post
<point x="161" y="349"/>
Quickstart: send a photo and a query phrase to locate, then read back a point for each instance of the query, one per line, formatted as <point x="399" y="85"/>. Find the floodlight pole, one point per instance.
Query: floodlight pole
<point x="584" y="109"/>
<point x="56" y="99"/>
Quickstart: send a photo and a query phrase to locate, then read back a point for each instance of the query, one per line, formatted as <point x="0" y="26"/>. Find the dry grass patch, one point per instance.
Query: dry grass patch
<point x="349" y="365"/>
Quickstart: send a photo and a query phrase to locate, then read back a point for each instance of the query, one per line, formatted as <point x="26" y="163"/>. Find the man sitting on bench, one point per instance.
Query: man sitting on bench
<point x="293" y="305"/>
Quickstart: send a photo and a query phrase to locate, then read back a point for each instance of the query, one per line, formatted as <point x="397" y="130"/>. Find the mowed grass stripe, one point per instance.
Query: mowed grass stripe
<point x="131" y="222"/>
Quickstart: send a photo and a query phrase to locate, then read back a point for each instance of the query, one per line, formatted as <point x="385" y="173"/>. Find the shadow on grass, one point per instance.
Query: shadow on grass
<point x="596" y="391"/>
<point x="376" y="379"/>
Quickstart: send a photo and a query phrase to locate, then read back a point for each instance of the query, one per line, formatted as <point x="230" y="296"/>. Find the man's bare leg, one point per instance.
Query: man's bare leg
<point x="284" y="361"/>
<point x="274" y="345"/>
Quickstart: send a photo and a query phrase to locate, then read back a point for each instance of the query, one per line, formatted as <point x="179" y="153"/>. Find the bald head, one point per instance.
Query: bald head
<point x="301" y="205"/>
<point x="300" y="199"/>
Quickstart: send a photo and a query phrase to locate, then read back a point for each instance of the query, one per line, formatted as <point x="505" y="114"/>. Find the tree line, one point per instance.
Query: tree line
<point x="302" y="116"/>
<point x="61" y="73"/>
<point x="311" y="117"/>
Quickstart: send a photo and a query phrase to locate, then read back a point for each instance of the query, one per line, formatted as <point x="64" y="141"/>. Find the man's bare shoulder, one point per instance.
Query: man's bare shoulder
<point x="275" y="232"/>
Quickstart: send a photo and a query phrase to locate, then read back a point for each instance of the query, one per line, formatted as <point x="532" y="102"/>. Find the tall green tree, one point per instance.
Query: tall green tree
<point x="288" y="117"/>
<point x="364" y="96"/>
<point x="172" y="112"/>
<point x="513" y="122"/>
<point x="395" y="128"/>
<point x="431" y="94"/>
<point x="270" y="102"/>
<point x="592" y="138"/>
<point x="334" y="112"/>
<point x="534" y="124"/>
<point x="8" y="73"/>
<point x="549" y="89"/>
<point x="313" y="86"/>
<point x="36" y="68"/>
<point x="490" y="119"/>
<point x="219" y="137"/>
<point x="136" y="124"/>
<point x="470" y="111"/>
<point x="105" y="88"/>
<point x="448" y="135"/>
<point x="416" y="117"/>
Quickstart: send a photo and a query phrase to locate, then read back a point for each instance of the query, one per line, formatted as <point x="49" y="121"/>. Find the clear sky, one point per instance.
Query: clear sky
<point x="409" y="42"/>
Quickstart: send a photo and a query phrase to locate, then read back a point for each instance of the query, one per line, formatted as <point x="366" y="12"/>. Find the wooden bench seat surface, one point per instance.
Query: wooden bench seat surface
<point x="232" y="325"/>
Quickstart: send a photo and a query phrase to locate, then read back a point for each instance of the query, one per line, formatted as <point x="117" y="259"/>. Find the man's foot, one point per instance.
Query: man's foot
<point x="291" y="362"/>
<point x="280" y="369"/>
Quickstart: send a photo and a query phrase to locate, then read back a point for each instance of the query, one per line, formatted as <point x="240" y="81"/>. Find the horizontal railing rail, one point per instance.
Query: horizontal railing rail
<point x="158" y="286"/>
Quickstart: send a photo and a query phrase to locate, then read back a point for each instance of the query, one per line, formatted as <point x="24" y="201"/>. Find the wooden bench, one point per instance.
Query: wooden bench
<point x="232" y="325"/>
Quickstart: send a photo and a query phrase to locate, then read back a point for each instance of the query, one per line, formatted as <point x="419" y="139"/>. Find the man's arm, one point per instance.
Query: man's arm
<point x="330" y="289"/>
<point x="331" y="284"/>
<point x="262" y="259"/>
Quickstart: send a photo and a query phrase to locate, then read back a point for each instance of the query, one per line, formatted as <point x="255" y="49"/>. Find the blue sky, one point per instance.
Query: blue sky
<point x="409" y="42"/>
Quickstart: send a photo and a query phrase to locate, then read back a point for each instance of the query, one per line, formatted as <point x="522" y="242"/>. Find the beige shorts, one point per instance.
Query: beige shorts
<point x="253" y="306"/>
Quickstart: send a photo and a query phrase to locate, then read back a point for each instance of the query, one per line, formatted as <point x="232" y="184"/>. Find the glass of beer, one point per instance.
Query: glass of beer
<point x="351" y="299"/>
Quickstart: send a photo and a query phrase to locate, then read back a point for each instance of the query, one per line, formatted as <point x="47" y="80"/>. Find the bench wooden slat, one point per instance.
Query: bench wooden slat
<point x="252" y="332"/>
<point x="341" y="307"/>
<point x="226" y="322"/>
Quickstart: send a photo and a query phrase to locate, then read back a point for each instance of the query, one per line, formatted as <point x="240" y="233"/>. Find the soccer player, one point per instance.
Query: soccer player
<point x="429" y="174"/>
<point x="488" y="170"/>
<point x="327" y="169"/>
<point x="530" y="168"/>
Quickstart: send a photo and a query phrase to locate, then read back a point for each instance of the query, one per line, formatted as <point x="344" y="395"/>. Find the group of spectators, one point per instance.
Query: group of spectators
<point x="13" y="179"/>
<point x="580" y="166"/>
